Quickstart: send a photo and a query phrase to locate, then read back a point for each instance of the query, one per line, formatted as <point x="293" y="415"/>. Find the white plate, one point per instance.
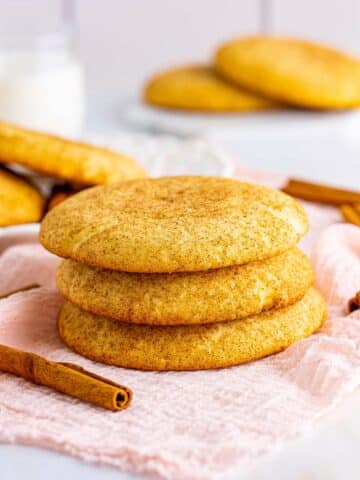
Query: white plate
<point x="224" y="126"/>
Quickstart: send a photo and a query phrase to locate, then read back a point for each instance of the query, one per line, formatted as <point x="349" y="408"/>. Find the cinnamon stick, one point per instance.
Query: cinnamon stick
<point x="316" y="192"/>
<point x="66" y="378"/>
<point x="354" y="303"/>
<point x="351" y="213"/>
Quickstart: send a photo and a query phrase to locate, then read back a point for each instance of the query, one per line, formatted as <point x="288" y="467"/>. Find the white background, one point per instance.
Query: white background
<point x="123" y="41"/>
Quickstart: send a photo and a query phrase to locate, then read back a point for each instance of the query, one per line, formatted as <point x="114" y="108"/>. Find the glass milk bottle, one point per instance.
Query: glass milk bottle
<point x="41" y="78"/>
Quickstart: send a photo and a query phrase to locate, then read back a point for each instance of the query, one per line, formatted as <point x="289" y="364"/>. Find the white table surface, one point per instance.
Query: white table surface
<point x="331" y="451"/>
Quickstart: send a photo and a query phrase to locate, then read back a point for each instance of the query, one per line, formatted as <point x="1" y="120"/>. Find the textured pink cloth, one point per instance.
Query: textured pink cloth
<point x="188" y="425"/>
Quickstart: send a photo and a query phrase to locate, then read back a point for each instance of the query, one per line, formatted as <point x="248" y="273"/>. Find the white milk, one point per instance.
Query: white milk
<point x="43" y="90"/>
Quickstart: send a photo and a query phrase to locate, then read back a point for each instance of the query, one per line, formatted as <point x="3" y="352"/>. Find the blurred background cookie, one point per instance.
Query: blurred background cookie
<point x="20" y="201"/>
<point x="294" y="71"/>
<point x="65" y="159"/>
<point x="199" y="88"/>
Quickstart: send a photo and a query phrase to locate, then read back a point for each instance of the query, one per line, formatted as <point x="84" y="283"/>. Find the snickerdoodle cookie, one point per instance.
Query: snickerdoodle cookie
<point x="57" y="157"/>
<point x="199" y="88"/>
<point x="20" y="201"/>
<point x="190" y="347"/>
<point x="174" y="224"/>
<point x="293" y="71"/>
<point x="188" y="298"/>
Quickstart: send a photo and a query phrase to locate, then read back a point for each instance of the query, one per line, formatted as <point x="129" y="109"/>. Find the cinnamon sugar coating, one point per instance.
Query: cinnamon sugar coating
<point x="174" y="224"/>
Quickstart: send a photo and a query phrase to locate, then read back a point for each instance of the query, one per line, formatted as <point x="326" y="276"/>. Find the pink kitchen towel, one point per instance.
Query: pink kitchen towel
<point x="189" y="425"/>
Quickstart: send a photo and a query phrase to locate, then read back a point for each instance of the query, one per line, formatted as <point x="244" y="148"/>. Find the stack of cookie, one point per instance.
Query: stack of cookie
<point x="182" y="273"/>
<point x="258" y="73"/>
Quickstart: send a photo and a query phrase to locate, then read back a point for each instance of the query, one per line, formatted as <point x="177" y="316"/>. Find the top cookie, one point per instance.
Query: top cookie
<point x="294" y="71"/>
<point x="199" y="88"/>
<point x="174" y="224"/>
<point x="20" y="201"/>
<point x="54" y="156"/>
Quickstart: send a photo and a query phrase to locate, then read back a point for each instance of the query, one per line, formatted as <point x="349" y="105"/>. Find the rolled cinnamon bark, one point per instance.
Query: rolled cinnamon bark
<point x="316" y="192"/>
<point x="351" y="213"/>
<point x="66" y="378"/>
<point x="354" y="303"/>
